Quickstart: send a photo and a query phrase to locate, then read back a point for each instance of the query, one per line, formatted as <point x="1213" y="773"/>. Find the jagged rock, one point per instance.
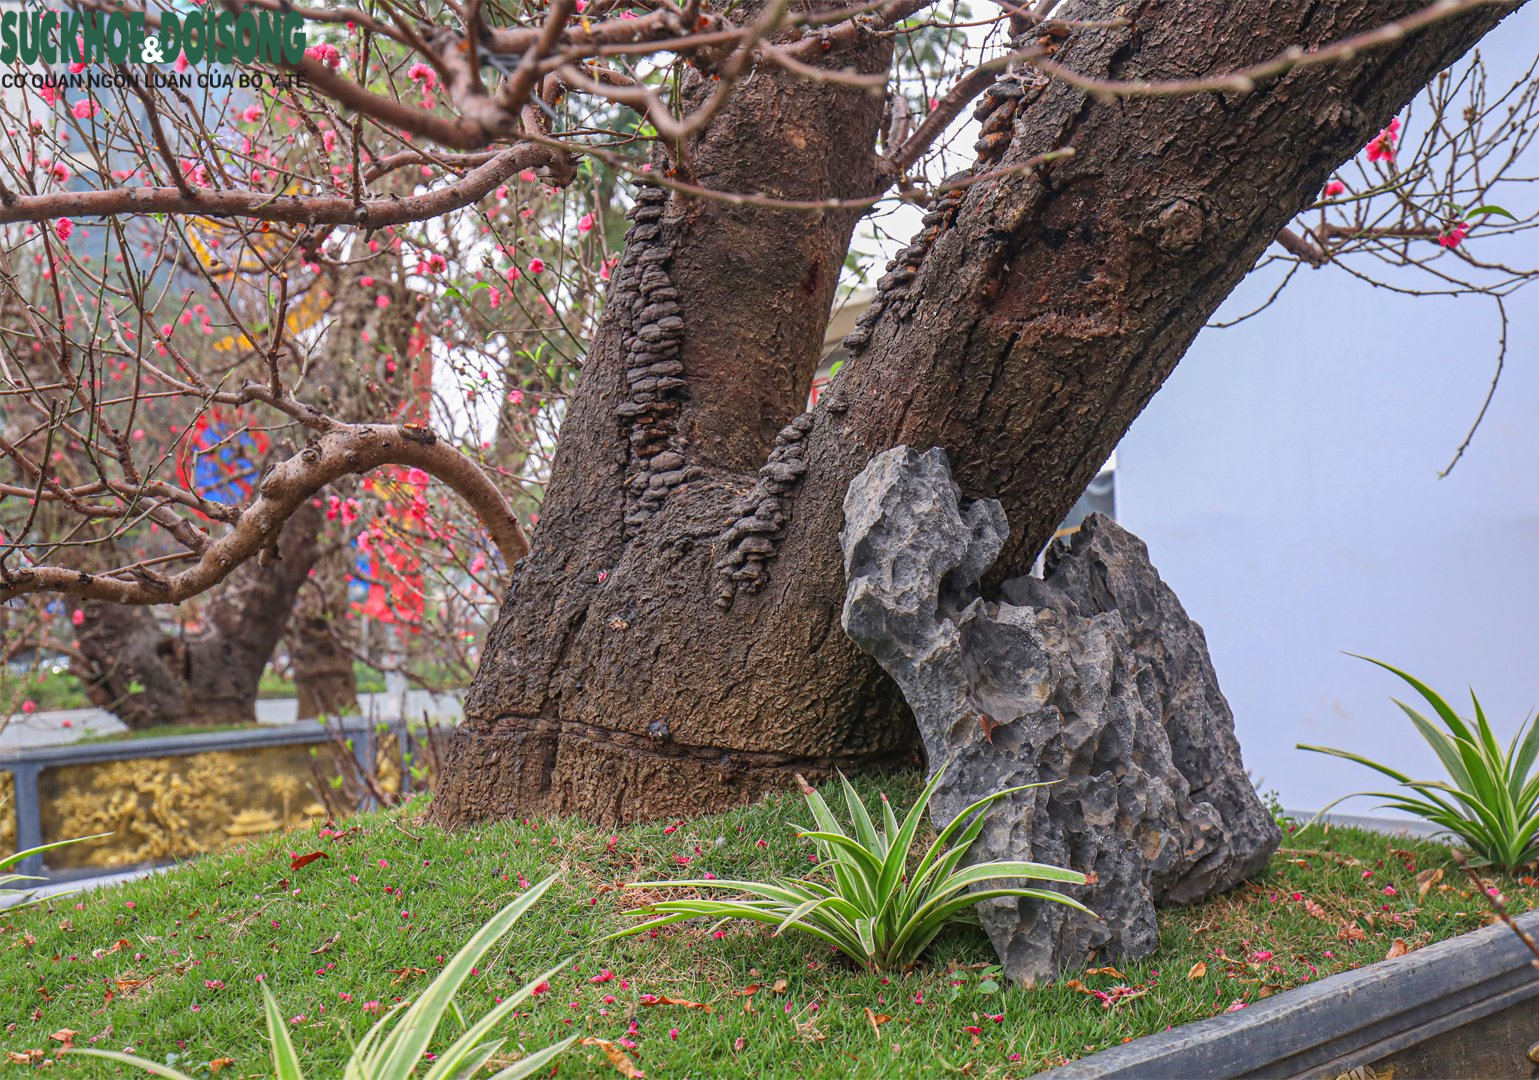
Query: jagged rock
<point x="1094" y="680"/>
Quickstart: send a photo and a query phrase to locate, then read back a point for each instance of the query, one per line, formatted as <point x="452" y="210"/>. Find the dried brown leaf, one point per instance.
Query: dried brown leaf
<point x="1199" y="970"/>
<point x="663" y="999"/>
<point x="65" y="1036"/>
<point x="1399" y="948"/>
<point x="617" y="1057"/>
<point x="1351" y="932"/>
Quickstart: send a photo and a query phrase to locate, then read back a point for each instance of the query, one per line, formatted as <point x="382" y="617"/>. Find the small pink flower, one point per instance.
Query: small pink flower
<point x="424" y="74"/>
<point x="382" y="301"/>
<point x="1334" y="188"/>
<point x="30" y="707"/>
<point x="1236" y="1007"/>
<point x="1382" y="146"/>
<point x="83" y="109"/>
<point x="63" y="227"/>
<point x="1454" y="235"/>
<point x="1367" y="874"/>
<point x="1389" y="890"/>
<point x="536" y="266"/>
<point x="326" y="54"/>
<point x="129" y="903"/>
<point x="1262" y="955"/>
<point x="251" y="113"/>
<point x="371" y="1006"/>
<point x="973" y="1029"/>
<point x="181" y="63"/>
<point x="585" y="223"/>
<point x="603" y="976"/>
<point x="673" y="1033"/>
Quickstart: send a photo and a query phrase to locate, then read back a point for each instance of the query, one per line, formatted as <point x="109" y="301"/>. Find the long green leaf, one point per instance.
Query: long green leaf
<point x="285" y="1060"/>
<point x="16" y="856"/>
<point x="897" y="852"/>
<point x="861" y="859"/>
<point x="132" y="1060"/>
<point x="1442" y="744"/>
<point x="1441" y="707"/>
<point x="452" y="1060"/>
<point x="533" y="1064"/>
<point x="399" y="1054"/>
<point x="865" y="829"/>
<point x="852" y="883"/>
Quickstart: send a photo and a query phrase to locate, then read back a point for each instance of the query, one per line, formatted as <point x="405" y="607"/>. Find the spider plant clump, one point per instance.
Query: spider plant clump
<point x="395" y="1046"/>
<point x="875" y="904"/>
<point x="1490" y="801"/>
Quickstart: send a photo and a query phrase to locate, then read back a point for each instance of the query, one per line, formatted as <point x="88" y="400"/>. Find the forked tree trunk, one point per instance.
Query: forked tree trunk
<point x="680" y="651"/>
<point x="149" y="677"/>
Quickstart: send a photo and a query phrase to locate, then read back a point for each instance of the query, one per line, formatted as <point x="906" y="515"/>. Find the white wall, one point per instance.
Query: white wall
<point x="1285" y="480"/>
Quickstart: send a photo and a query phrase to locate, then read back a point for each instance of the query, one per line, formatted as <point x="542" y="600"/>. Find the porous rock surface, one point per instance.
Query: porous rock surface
<point x="1093" y="679"/>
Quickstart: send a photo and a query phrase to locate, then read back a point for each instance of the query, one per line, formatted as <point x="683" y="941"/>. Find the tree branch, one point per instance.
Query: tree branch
<point x="345" y="449"/>
<point x="300" y="209"/>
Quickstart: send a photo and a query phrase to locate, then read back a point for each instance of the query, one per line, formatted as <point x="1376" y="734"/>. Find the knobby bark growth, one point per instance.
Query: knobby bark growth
<point x="671" y="642"/>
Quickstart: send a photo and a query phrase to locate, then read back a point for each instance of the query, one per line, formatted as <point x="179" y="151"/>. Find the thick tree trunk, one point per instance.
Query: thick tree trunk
<point x="149" y="677"/>
<point x="320" y="635"/>
<point x="322" y="638"/>
<point x="672" y="644"/>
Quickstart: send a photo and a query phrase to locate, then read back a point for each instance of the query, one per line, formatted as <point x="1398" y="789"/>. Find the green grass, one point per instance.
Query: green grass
<point x="132" y="965"/>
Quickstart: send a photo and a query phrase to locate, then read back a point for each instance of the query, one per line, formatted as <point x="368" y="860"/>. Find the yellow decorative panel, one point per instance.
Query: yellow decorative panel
<point x="174" y="807"/>
<point x="7" y="814"/>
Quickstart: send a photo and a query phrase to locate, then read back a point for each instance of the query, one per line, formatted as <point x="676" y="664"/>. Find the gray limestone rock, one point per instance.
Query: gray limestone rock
<point x="1092" y="682"/>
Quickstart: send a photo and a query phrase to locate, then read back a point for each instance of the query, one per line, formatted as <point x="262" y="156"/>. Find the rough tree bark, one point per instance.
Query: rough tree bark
<point x="677" y="651"/>
<point x="320" y="642"/>
<point x="149" y="677"/>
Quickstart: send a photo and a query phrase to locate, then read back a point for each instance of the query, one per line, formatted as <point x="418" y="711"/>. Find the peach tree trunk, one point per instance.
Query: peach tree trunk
<point x="672" y="642"/>
<point x="208" y="677"/>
